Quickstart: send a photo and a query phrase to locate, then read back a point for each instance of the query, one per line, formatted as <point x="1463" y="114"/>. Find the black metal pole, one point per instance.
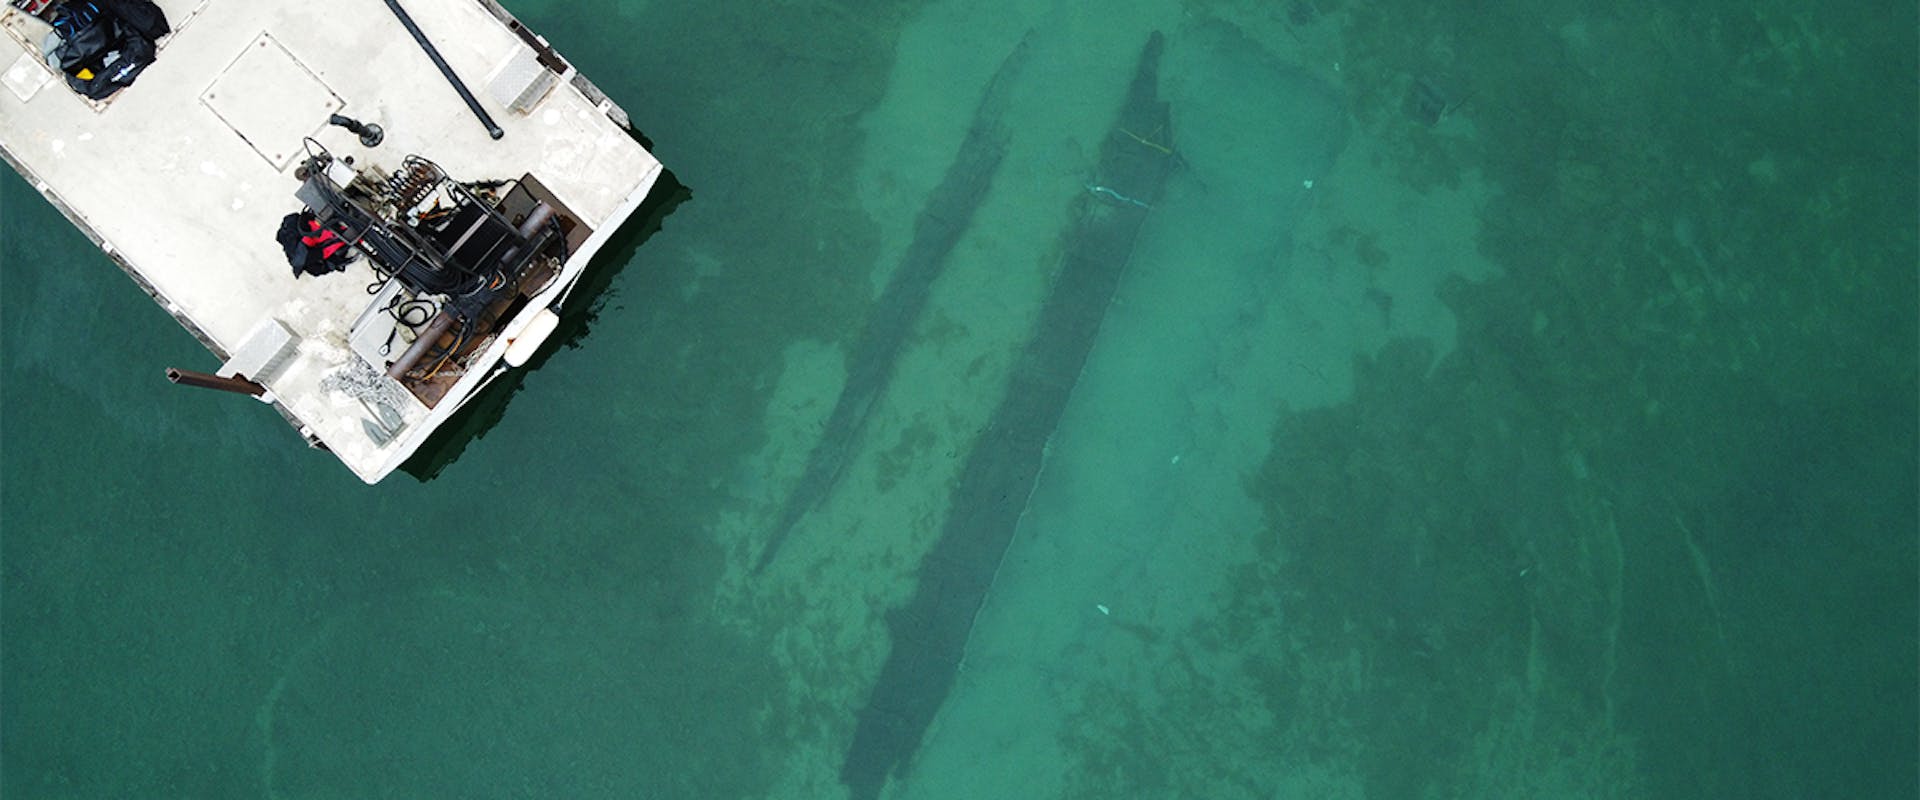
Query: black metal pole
<point x="434" y="53"/>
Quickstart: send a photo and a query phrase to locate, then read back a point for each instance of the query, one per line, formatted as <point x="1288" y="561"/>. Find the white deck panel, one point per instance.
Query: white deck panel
<point x="169" y="186"/>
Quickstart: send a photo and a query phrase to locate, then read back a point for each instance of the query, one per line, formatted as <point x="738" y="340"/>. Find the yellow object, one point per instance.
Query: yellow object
<point x="84" y="74"/>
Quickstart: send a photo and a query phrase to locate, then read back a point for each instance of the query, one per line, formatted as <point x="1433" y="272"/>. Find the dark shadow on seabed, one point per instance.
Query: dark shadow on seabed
<point x="947" y="215"/>
<point x="929" y="632"/>
<point x="588" y="297"/>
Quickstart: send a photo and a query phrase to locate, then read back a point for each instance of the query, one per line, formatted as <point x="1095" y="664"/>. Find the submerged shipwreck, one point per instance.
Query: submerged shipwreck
<point x="318" y="195"/>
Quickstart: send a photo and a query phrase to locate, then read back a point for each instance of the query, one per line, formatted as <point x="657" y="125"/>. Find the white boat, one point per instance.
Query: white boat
<point x="457" y="172"/>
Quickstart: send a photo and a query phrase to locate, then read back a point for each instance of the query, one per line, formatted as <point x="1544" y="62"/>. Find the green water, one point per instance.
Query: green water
<point x="1558" y="441"/>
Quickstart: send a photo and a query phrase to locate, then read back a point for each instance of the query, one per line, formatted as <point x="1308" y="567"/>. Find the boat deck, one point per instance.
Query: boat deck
<point x="183" y="177"/>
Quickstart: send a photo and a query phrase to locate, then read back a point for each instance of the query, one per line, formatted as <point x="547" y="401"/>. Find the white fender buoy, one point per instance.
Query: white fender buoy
<point x="522" y="343"/>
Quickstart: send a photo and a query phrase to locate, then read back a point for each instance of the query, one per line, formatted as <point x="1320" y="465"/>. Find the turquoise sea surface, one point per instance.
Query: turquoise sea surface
<point x="1499" y="400"/>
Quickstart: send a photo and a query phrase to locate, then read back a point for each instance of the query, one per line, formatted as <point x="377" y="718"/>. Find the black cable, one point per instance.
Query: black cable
<point x="459" y="341"/>
<point x="560" y="235"/>
<point x="400" y="309"/>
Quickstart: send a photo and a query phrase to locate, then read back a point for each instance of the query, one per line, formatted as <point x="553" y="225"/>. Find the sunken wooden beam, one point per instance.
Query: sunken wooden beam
<point x="929" y="634"/>
<point x="946" y="215"/>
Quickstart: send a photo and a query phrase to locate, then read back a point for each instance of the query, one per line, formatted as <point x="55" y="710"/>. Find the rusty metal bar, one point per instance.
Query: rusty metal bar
<point x="237" y="384"/>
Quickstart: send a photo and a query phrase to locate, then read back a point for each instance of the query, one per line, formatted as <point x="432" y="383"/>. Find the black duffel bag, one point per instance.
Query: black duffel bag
<point x="141" y="15"/>
<point x="105" y="58"/>
<point x="105" y="52"/>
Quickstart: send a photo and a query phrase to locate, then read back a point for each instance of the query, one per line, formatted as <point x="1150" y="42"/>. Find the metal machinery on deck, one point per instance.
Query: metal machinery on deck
<point x="454" y="259"/>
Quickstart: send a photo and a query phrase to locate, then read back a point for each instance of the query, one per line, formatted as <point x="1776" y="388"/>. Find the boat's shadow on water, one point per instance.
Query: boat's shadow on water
<point x="583" y="306"/>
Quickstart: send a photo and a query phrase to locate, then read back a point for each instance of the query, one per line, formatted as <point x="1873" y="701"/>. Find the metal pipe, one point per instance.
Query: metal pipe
<point x="434" y="53"/>
<point x="442" y="322"/>
<point x="370" y="134"/>
<point x="536" y="219"/>
<point x="237" y="384"/>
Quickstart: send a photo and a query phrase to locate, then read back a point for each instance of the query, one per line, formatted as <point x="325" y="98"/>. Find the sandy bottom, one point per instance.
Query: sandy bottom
<point x="1249" y="295"/>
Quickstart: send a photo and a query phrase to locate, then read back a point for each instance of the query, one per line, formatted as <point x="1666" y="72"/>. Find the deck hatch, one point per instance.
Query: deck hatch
<point x="271" y="100"/>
